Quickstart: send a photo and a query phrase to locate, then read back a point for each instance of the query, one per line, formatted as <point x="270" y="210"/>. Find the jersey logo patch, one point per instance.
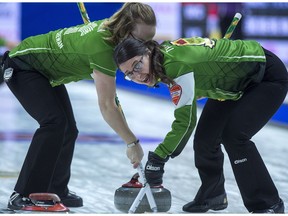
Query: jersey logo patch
<point x="180" y="42"/>
<point x="194" y="41"/>
<point x="175" y="92"/>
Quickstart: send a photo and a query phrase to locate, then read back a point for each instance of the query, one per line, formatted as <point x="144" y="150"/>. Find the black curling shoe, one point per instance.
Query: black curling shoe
<point x="217" y="203"/>
<point x="72" y="200"/>
<point x="278" y="208"/>
<point x="17" y="201"/>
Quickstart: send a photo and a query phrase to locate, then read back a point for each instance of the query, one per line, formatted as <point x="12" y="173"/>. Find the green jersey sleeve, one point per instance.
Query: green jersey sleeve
<point x="182" y="94"/>
<point x="181" y="130"/>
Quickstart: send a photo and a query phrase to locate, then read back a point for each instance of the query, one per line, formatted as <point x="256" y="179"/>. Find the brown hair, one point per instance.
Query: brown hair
<point x="123" y="22"/>
<point x="157" y="59"/>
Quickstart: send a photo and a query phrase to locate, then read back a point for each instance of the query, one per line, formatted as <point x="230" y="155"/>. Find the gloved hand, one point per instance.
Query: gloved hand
<point x="135" y="154"/>
<point x="154" y="169"/>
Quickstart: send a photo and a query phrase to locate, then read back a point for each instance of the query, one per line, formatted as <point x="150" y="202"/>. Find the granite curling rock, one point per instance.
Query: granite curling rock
<point x="125" y="196"/>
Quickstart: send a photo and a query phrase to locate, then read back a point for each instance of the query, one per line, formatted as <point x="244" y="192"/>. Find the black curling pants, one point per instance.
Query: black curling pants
<point x="47" y="164"/>
<point x="234" y="123"/>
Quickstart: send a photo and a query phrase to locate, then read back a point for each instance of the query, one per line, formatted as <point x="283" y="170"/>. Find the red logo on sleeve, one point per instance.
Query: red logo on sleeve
<point x="180" y="42"/>
<point x="175" y="92"/>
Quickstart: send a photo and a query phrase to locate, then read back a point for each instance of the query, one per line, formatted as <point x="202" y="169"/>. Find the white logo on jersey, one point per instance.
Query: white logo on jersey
<point x="85" y="29"/>
<point x="168" y="48"/>
<point x="59" y="39"/>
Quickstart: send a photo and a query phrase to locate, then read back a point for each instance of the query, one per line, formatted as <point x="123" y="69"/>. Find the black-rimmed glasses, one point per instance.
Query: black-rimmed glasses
<point x="129" y="75"/>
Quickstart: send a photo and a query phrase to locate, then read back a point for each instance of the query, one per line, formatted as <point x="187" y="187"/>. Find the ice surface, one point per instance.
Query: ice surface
<point x="100" y="165"/>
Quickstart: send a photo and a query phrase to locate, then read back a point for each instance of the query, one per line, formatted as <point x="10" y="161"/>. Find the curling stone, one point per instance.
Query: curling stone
<point x="125" y="196"/>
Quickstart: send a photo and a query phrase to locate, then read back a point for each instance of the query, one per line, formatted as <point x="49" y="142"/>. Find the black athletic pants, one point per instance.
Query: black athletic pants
<point x="47" y="164"/>
<point x="234" y="123"/>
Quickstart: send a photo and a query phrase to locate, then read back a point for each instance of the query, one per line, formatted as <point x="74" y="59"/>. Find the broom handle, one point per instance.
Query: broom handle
<point x="144" y="190"/>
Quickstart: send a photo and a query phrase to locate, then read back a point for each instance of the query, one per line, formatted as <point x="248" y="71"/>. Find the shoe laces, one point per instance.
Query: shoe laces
<point x="26" y="199"/>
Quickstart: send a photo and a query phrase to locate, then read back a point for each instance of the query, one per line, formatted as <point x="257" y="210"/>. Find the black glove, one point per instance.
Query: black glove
<point x="154" y="169"/>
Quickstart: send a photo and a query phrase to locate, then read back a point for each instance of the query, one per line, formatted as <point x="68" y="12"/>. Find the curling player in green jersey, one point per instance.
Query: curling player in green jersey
<point x="36" y="71"/>
<point x="246" y="84"/>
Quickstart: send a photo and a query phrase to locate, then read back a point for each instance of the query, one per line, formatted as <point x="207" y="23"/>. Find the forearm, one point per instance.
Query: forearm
<point x="182" y="128"/>
<point x="112" y="114"/>
<point x="115" y="119"/>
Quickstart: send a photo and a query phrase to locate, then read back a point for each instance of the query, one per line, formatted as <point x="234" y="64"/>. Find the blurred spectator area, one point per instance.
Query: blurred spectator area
<point x="265" y="22"/>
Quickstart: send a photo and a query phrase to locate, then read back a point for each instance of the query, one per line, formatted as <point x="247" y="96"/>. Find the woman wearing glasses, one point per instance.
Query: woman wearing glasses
<point x="41" y="66"/>
<point x="246" y="83"/>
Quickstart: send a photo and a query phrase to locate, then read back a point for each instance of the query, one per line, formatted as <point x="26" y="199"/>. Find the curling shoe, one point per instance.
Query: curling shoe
<point x="278" y="208"/>
<point x="72" y="200"/>
<point x="17" y="201"/>
<point x="217" y="203"/>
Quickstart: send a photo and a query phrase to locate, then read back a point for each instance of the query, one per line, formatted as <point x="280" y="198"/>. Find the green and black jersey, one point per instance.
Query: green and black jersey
<point x="68" y="54"/>
<point x="219" y="69"/>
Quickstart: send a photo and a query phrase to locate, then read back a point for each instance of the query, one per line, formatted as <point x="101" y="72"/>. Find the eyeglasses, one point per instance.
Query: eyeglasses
<point x="129" y="75"/>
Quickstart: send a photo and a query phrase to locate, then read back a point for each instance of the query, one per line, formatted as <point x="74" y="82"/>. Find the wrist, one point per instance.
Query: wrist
<point x="130" y="145"/>
<point x="156" y="158"/>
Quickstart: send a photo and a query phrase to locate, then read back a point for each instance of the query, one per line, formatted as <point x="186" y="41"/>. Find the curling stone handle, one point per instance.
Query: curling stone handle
<point x="141" y="174"/>
<point x="144" y="190"/>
